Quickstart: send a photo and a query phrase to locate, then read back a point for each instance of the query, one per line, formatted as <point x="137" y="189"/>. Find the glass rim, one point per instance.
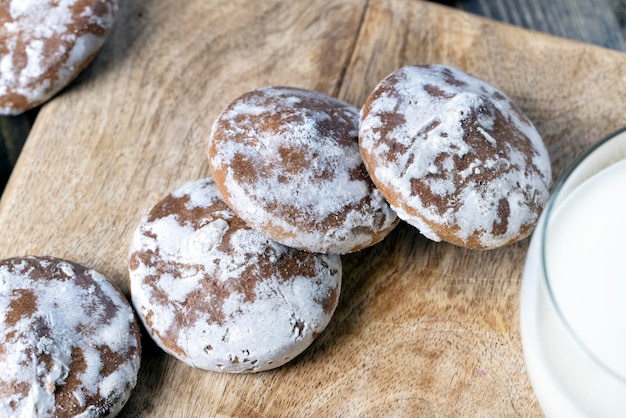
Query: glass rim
<point x="548" y="211"/>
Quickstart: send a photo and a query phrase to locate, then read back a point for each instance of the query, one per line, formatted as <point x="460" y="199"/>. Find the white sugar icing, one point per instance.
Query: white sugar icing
<point x="37" y="350"/>
<point x="178" y="259"/>
<point x="432" y="137"/>
<point x="43" y="36"/>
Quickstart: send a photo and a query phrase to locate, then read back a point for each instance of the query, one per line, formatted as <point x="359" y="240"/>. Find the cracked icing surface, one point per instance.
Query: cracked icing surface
<point x="454" y="156"/>
<point x="44" y="44"/>
<point x="219" y="295"/>
<point x="69" y="341"/>
<point x="287" y="161"/>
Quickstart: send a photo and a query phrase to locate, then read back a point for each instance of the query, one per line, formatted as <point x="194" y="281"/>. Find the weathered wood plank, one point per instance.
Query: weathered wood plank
<point x="596" y="22"/>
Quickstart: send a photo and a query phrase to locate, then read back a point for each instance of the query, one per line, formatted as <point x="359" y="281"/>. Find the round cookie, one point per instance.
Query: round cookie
<point x="45" y="44"/>
<point x="454" y="157"/>
<point x="287" y="161"/>
<point x="69" y="341"/>
<point x="220" y="296"/>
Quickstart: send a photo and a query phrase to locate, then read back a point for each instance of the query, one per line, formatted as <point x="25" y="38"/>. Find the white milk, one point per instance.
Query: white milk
<point x="585" y="251"/>
<point x="575" y="342"/>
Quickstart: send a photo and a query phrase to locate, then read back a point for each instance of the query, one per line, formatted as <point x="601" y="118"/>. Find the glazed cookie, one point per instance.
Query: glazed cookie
<point x="45" y="44"/>
<point x="220" y="296"/>
<point x="69" y="341"/>
<point x="454" y="156"/>
<point x="287" y="161"/>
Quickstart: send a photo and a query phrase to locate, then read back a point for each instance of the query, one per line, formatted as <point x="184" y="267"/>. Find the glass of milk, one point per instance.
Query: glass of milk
<point x="573" y="297"/>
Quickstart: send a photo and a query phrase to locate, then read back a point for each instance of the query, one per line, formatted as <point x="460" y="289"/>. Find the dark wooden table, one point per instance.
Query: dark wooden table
<point x="598" y="22"/>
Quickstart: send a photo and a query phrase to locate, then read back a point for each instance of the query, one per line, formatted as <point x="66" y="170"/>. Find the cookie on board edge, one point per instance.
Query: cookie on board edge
<point x="454" y="157"/>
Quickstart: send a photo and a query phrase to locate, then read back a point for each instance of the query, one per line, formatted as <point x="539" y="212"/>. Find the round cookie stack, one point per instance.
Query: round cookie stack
<point x="45" y="44"/>
<point x="240" y="272"/>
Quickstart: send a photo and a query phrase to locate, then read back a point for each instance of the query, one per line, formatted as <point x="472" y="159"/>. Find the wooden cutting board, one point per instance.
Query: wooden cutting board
<point x="422" y="329"/>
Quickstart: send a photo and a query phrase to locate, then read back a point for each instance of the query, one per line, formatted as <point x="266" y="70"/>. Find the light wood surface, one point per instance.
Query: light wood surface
<point x="422" y="329"/>
<point x="601" y="22"/>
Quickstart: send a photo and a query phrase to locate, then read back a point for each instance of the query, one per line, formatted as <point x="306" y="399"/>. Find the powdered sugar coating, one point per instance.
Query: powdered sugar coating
<point x="454" y="156"/>
<point x="287" y="161"/>
<point x="44" y="44"/>
<point x="221" y="296"/>
<point x="69" y="341"/>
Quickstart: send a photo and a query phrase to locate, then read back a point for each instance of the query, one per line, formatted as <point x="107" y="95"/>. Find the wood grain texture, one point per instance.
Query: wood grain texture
<point x="158" y="84"/>
<point x="596" y="22"/>
<point x="601" y="22"/>
<point x="619" y="6"/>
<point x="422" y="329"/>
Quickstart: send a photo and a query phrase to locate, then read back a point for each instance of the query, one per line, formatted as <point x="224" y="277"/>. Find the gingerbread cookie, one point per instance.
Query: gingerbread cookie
<point x="287" y="161"/>
<point x="69" y="341"/>
<point x="45" y="44"/>
<point x="454" y="156"/>
<point x="220" y="296"/>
